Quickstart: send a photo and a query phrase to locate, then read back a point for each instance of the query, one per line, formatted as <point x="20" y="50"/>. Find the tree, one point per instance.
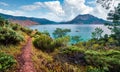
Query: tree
<point x="97" y="34"/>
<point x="106" y="3"/>
<point x="60" y="32"/>
<point x="76" y="39"/>
<point x="46" y="32"/>
<point x="114" y="16"/>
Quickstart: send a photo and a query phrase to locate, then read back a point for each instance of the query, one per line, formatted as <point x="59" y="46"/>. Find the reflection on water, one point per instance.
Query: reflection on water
<point x="76" y="30"/>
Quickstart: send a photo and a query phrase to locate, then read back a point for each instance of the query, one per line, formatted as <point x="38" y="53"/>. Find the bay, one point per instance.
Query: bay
<point x="76" y="30"/>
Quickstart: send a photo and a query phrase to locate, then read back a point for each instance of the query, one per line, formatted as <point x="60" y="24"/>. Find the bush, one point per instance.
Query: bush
<point x="15" y="26"/>
<point x="73" y="55"/>
<point x="101" y="61"/>
<point x="9" y="36"/>
<point x="94" y="69"/>
<point x="26" y="30"/>
<point x="62" y="42"/>
<point x="6" y="61"/>
<point x="44" y="42"/>
<point x="108" y="61"/>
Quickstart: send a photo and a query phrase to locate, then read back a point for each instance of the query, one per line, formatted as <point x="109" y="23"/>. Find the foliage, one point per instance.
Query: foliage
<point x="102" y="61"/>
<point x="44" y="43"/>
<point x="2" y="21"/>
<point x="107" y="61"/>
<point x="26" y="30"/>
<point x="76" y="39"/>
<point x="6" y="61"/>
<point x="15" y="27"/>
<point x="60" y="32"/>
<point x="114" y="16"/>
<point x="94" y="69"/>
<point x="9" y="36"/>
<point x="105" y="3"/>
<point x="46" y="32"/>
<point x="97" y="34"/>
<point x="62" y="42"/>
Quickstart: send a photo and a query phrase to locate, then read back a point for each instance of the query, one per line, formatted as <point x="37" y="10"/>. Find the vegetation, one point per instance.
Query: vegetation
<point x="44" y="43"/>
<point x="12" y="38"/>
<point x="60" y="32"/>
<point x="6" y="61"/>
<point x="99" y="54"/>
<point x="97" y="34"/>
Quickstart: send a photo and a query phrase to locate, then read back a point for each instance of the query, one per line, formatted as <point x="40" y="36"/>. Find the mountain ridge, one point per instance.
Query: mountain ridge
<point x="37" y="20"/>
<point x="80" y="19"/>
<point x="85" y="19"/>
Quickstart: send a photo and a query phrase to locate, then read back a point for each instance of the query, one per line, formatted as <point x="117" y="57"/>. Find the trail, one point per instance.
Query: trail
<point x="25" y="59"/>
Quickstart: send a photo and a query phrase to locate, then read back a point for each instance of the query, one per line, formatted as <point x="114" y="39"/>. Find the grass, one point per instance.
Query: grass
<point x="38" y="57"/>
<point x="14" y="50"/>
<point x="46" y="62"/>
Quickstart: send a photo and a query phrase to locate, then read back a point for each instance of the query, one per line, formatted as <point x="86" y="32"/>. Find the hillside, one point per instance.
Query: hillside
<point x="85" y="19"/>
<point x="31" y="19"/>
<point x="23" y="22"/>
<point x="80" y="19"/>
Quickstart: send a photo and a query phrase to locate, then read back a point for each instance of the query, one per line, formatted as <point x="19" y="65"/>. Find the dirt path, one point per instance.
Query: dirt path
<point x="25" y="60"/>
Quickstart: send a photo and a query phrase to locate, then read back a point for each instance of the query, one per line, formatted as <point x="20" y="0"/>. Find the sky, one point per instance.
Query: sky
<point x="55" y="10"/>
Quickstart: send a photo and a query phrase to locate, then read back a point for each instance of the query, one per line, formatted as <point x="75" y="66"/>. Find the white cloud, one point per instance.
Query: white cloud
<point x="55" y="7"/>
<point x="57" y="12"/>
<point x="73" y="8"/>
<point x="15" y="13"/>
<point x="35" y="6"/>
<point x="50" y="16"/>
<point x="4" y="4"/>
<point x="99" y="12"/>
<point x="67" y="11"/>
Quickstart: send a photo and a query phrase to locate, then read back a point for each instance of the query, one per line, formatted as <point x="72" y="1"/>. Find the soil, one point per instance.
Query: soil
<point x="25" y="59"/>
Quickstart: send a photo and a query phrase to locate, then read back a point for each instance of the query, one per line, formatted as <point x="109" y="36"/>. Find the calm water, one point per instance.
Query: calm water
<point x="76" y="30"/>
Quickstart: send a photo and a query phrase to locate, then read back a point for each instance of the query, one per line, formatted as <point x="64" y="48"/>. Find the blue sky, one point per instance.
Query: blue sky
<point x="56" y="10"/>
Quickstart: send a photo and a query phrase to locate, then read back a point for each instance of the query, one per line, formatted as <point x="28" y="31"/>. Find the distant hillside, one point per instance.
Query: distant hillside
<point x="85" y="19"/>
<point x="80" y="19"/>
<point x="23" y="22"/>
<point x="31" y="19"/>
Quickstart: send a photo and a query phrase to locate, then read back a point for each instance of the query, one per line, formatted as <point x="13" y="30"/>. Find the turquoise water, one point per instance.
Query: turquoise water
<point x="76" y="30"/>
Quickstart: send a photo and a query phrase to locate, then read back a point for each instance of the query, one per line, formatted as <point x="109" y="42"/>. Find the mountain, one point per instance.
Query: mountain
<point x="80" y="19"/>
<point x="30" y="19"/>
<point x="85" y="19"/>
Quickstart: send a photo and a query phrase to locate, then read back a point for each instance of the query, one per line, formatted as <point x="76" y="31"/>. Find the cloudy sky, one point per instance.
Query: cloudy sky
<point x="56" y="10"/>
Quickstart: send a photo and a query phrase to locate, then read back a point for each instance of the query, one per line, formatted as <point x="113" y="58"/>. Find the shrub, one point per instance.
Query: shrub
<point x="44" y="42"/>
<point x="108" y="61"/>
<point x="6" y="61"/>
<point x="94" y="69"/>
<point x="9" y="36"/>
<point x="73" y="55"/>
<point x="26" y="30"/>
<point x="15" y="26"/>
<point x="101" y="61"/>
<point x="62" y="42"/>
<point x="60" y="32"/>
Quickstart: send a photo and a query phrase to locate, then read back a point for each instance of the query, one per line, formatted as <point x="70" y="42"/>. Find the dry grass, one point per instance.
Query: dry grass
<point x="45" y="62"/>
<point x="14" y="50"/>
